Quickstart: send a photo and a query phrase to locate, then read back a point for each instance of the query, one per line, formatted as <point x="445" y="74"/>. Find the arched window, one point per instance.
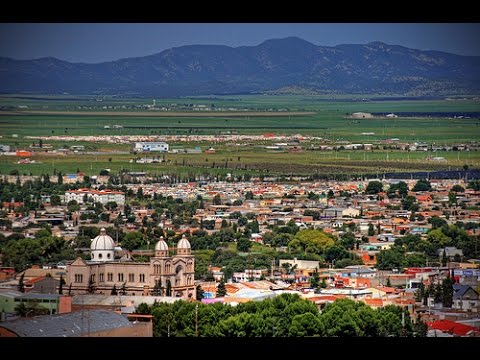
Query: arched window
<point x="100" y="256"/>
<point x="108" y="255"/>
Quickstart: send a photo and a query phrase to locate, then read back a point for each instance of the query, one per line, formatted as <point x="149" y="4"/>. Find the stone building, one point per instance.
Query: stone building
<point x="173" y="275"/>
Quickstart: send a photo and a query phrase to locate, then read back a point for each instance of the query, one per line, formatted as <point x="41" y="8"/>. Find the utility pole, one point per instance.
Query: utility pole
<point x="196" y="320"/>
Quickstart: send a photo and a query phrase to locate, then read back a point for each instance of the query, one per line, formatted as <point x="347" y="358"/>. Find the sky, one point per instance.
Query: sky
<point x="99" y="42"/>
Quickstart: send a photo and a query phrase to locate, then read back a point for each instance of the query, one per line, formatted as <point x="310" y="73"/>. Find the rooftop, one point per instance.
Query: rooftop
<point x="67" y="325"/>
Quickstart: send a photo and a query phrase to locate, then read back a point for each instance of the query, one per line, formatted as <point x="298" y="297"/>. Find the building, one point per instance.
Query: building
<point x="465" y="298"/>
<point x="101" y="196"/>
<point x="93" y="323"/>
<point x="4" y="148"/>
<point x="102" y="273"/>
<point x="150" y="146"/>
<point x="50" y="303"/>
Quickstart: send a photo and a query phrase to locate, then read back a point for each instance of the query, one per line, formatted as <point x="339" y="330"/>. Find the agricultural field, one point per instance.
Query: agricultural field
<point x="435" y="121"/>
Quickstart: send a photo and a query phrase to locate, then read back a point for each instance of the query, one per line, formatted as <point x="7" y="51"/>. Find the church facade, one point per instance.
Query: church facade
<point x="163" y="275"/>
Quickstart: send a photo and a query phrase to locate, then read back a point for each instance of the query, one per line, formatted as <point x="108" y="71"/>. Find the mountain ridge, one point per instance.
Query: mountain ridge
<point x="375" y="67"/>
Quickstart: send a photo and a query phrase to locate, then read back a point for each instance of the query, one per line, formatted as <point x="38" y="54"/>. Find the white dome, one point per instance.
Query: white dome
<point x="183" y="243"/>
<point x="161" y="245"/>
<point x="102" y="242"/>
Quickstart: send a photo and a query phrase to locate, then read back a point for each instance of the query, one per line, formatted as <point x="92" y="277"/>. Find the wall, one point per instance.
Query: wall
<point x="139" y="329"/>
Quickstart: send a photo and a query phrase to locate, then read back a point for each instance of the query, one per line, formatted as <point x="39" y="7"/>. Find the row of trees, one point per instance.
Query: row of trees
<point x="284" y="315"/>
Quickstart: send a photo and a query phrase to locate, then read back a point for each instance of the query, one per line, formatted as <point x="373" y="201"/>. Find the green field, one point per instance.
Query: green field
<point x="329" y="121"/>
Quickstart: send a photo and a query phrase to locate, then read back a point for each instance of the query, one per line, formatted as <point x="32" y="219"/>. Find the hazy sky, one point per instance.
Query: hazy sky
<point x="110" y="41"/>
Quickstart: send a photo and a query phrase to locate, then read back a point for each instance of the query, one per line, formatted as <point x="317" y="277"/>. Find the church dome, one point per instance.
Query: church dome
<point x="102" y="242"/>
<point x="183" y="243"/>
<point x="161" y="245"/>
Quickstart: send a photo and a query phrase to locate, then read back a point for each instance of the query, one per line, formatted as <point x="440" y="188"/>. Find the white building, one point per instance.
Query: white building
<point x="101" y="196"/>
<point x="150" y="146"/>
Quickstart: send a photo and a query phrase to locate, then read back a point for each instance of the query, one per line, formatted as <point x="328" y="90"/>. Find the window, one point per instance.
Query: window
<point x="108" y="256"/>
<point x="142" y="277"/>
<point x="78" y="278"/>
<point x="100" y="256"/>
<point x="156" y="269"/>
<point x="101" y="277"/>
<point x="131" y="277"/>
<point x="120" y="276"/>
<point x="110" y="277"/>
<point x="92" y="278"/>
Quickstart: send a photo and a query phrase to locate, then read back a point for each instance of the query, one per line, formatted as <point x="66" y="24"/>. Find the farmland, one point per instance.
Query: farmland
<point x="319" y="116"/>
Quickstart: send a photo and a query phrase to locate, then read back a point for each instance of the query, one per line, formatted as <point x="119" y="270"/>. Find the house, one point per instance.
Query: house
<point x="150" y="146"/>
<point x="42" y="285"/>
<point x="465" y="298"/>
<point x="102" y="196"/>
<point x="452" y="328"/>
<point x="451" y="252"/>
<point x="350" y="212"/>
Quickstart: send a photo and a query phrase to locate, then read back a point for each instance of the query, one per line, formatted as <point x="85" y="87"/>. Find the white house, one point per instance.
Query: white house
<point x="151" y="146"/>
<point x="101" y="196"/>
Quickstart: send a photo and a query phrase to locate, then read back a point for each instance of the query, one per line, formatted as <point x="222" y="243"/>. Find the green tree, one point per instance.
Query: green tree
<point x="438" y="293"/>
<point x="21" y="309"/>
<point x="91" y="286"/>
<point x="401" y="188"/>
<point x="306" y="324"/>
<point x="311" y="241"/>
<point x="123" y="289"/>
<point x="114" y="290"/>
<point x="169" y="288"/>
<point x="157" y="288"/>
<point x="452" y="198"/>
<point x="422" y="185"/>
<point x="447" y="292"/>
<point x="55" y="200"/>
<point x="21" y="283"/>
<point x="217" y="200"/>
<point x="458" y="188"/>
<point x="420" y="292"/>
<point x="420" y="329"/>
<point x="371" y="229"/>
<point x="60" y="286"/>
<point x="143" y="309"/>
<point x="221" y="289"/>
<point x="388" y="281"/>
<point x="133" y="240"/>
<point x="374" y="187"/>
<point x="244" y="244"/>
<point x="315" y="280"/>
<point x="249" y="195"/>
<point x="475" y="185"/>
<point x="200" y="294"/>
<point x="436" y="222"/>
<point x="444" y="258"/>
<point x="410" y="203"/>
<point x="242" y="221"/>
<point x="70" y="289"/>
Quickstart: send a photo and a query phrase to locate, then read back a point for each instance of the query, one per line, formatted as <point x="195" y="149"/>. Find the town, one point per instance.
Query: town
<point x="70" y="242"/>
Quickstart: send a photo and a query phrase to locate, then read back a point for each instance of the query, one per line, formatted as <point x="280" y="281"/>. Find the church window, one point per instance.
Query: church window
<point x="110" y="277"/>
<point x="101" y="277"/>
<point x="120" y="276"/>
<point x="131" y="277"/>
<point x="142" y="278"/>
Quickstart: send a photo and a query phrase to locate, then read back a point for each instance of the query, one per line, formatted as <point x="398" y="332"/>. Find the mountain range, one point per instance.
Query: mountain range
<point x="276" y="64"/>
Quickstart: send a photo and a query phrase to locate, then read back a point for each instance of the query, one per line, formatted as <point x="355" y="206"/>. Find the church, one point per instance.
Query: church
<point x="163" y="275"/>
